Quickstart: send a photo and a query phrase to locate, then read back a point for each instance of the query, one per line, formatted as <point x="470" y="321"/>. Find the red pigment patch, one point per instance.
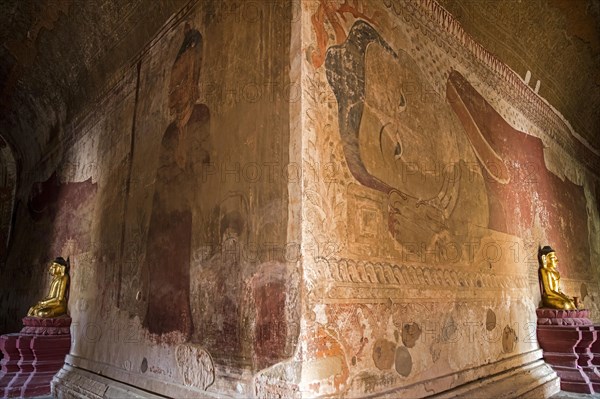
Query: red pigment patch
<point x="168" y="268"/>
<point x="64" y="208"/>
<point x="271" y="327"/>
<point x="321" y="345"/>
<point x="533" y="191"/>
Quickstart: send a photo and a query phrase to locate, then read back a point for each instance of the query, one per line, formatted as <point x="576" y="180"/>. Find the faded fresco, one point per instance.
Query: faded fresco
<point x="392" y="143"/>
<point x="530" y="196"/>
<point x="171" y="200"/>
<point x="170" y="231"/>
<point x="204" y="270"/>
<point x="335" y="198"/>
<point x="207" y="272"/>
<point x="421" y="232"/>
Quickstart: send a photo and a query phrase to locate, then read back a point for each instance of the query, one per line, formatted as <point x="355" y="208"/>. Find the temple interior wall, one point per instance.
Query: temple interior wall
<point x="290" y="198"/>
<point x="431" y="178"/>
<point x="170" y="199"/>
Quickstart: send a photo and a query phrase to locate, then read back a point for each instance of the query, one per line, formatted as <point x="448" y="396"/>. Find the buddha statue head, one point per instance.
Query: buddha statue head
<point x="548" y="257"/>
<point x="59" y="267"/>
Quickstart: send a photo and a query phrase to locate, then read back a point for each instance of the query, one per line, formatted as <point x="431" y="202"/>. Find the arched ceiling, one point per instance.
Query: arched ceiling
<point x="57" y="54"/>
<point x="558" y="41"/>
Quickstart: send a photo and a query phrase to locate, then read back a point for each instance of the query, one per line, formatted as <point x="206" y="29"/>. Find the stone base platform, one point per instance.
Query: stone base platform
<point x="71" y="382"/>
<point x="524" y="375"/>
<point x="33" y="356"/>
<point x="566" y="337"/>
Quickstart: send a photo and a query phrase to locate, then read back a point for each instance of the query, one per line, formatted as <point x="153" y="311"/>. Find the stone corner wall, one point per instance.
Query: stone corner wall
<point x="171" y="199"/>
<point x="431" y="175"/>
<point x="306" y="198"/>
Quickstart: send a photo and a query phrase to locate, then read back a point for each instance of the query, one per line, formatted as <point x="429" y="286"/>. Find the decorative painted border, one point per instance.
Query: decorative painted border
<point x="341" y="270"/>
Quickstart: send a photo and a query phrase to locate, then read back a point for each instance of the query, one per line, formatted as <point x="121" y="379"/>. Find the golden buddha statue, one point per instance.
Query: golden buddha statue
<point x="55" y="303"/>
<point x="552" y="296"/>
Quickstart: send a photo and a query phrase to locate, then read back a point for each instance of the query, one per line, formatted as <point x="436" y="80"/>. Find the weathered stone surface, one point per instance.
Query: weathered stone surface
<point x="441" y="179"/>
<point x="303" y="199"/>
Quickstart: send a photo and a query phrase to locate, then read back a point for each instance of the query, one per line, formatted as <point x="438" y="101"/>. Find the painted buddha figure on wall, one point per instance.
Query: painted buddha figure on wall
<point x="55" y="303"/>
<point x="402" y="138"/>
<point x="552" y="296"/>
<point x="182" y="147"/>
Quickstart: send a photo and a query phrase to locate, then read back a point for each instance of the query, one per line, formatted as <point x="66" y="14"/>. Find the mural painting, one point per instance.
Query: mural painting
<point x="531" y="197"/>
<point x="64" y="205"/>
<point x="203" y="263"/>
<point x="218" y="282"/>
<point x="393" y="142"/>
<point x="432" y="165"/>
<point x="192" y="243"/>
<point x="169" y="236"/>
<point x="335" y="14"/>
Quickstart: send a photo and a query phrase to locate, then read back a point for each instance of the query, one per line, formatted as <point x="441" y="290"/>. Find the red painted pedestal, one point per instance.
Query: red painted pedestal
<point x="566" y="337"/>
<point x="33" y="356"/>
<point x="596" y="350"/>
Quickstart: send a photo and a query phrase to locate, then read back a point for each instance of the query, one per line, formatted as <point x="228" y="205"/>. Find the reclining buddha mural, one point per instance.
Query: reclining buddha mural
<point x="447" y="181"/>
<point x="448" y="166"/>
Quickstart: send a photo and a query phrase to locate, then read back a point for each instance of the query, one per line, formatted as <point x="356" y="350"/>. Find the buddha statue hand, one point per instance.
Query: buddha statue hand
<point x="55" y="303"/>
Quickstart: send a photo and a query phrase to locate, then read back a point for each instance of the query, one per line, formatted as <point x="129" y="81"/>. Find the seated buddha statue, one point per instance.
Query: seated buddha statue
<point x="552" y="296"/>
<point x="55" y="303"/>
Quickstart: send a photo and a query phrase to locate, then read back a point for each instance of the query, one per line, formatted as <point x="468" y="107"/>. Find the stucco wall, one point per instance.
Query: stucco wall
<point x="307" y="198"/>
<point x="432" y="173"/>
<point x="171" y="201"/>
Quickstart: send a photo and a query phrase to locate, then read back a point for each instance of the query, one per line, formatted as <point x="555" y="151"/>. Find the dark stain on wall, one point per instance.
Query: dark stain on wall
<point x="490" y="320"/>
<point x="403" y="361"/>
<point x="383" y="354"/>
<point x="509" y="339"/>
<point x="410" y="334"/>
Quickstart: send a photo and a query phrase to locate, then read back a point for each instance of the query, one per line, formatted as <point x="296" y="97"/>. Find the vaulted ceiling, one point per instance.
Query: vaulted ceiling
<point x="558" y="41"/>
<point x="57" y="54"/>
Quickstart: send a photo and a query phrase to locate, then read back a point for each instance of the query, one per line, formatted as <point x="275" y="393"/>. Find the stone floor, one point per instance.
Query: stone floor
<point x="560" y="395"/>
<point x="571" y="395"/>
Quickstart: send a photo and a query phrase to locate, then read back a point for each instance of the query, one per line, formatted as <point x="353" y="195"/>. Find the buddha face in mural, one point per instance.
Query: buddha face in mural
<point x="399" y="134"/>
<point x="407" y="133"/>
<point x="183" y="86"/>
